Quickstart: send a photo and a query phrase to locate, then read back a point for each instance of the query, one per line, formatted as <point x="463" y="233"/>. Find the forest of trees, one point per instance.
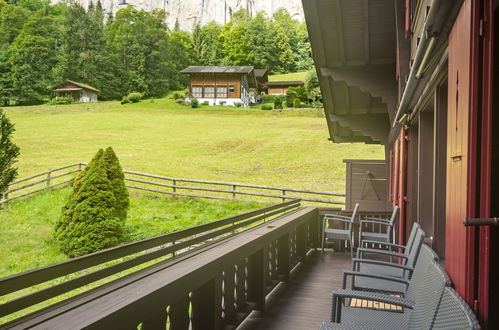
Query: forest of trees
<point x="135" y="51"/>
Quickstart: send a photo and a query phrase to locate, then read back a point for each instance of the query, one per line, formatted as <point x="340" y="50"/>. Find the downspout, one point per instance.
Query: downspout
<point x="423" y="52"/>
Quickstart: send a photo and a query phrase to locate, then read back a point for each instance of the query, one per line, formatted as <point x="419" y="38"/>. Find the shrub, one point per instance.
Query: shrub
<point x="267" y="107"/>
<point x="9" y="151"/>
<point x="299" y="92"/>
<point x="223" y="102"/>
<point x="194" y="103"/>
<point x="277" y="103"/>
<point x="177" y="96"/>
<point x="296" y="103"/>
<point x="238" y="104"/>
<point x="62" y="100"/>
<point x="117" y="178"/>
<point x="125" y="100"/>
<point x="268" y="98"/>
<point x="134" y="97"/>
<point x="206" y="103"/>
<point x="180" y="101"/>
<point x="94" y="216"/>
<point x="290" y="97"/>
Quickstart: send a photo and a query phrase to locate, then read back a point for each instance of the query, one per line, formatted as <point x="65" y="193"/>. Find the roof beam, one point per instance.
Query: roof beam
<point x="367" y="56"/>
<point x="338" y="15"/>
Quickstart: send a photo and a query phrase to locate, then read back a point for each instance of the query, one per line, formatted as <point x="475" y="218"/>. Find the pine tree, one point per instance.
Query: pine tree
<point x="9" y="151"/>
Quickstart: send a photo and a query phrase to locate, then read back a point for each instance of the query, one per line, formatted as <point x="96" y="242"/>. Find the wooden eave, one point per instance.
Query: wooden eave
<point x="354" y="48"/>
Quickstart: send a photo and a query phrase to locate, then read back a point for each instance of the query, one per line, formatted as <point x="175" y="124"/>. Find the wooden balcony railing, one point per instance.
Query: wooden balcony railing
<point x="214" y="287"/>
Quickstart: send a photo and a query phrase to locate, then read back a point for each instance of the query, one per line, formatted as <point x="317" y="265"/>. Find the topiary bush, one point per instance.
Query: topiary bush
<point x="125" y="100"/>
<point x="117" y="178"/>
<point x="134" y="97"/>
<point x="194" y="103"/>
<point x="277" y="103"/>
<point x="268" y="98"/>
<point x="266" y="107"/>
<point x="94" y="216"/>
<point x="238" y="104"/>
<point x="296" y="103"/>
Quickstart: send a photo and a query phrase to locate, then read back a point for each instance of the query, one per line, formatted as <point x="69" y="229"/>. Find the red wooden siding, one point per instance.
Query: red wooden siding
<point x="459" y="240"/>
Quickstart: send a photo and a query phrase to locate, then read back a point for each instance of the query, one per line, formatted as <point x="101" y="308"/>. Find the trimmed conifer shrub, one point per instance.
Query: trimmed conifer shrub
<point x="9" y="151"/>
<point x="115" y="174"/>
<point x="94" y="216"/>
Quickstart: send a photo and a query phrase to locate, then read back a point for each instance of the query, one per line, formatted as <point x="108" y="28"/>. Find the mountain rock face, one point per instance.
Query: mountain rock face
<point x="190" y="12"/>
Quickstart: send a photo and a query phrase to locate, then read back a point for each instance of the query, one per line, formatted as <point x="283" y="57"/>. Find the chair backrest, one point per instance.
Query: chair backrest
<point x="428" y="296"/>
<point x="454" y="313"/>
<point x="355" y="211"/>
<point x="425" y="257"/>
<point x="415" y="248"/>
<point x="392" y="220"/>
<point x="412" y="236"/>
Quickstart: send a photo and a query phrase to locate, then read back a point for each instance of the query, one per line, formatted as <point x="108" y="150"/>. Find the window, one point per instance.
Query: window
<point x="232" y="89"/>
<point x="222" y="92"/>
<point x="209" y="91"/>
<point x="197" y="91"/>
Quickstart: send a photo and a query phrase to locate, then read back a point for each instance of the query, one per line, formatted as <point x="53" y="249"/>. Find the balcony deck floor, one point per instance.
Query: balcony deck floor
<point x="305" y="302"/>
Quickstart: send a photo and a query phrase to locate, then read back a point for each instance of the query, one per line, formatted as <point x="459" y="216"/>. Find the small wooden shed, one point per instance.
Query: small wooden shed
<point x="281" y="87"/>
<point x="79" y="92"/>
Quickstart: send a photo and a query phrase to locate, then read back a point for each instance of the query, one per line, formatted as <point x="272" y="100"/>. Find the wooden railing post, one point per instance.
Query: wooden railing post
<point x="284" y="194"/>
<point x="206" y="307"/>
<point x="234" y="191"/>
<point x="49" y="174"/>
<point x="179" y="314"/>
<point x="155" y="318"/>
<point x="256" y="280"/>
<point x="301" y="250"/>
<point x="174" y="185"/>
<point x="283" y="257"/>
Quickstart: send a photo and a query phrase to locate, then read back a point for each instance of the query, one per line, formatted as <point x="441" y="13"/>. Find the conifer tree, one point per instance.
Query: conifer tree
<point x="95" y="214"/>
<point x="116" y="177"/>
<point x="9" y="151"/>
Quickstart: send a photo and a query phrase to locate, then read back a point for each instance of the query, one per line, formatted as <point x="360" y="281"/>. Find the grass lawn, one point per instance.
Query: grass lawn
<point x="288" y="148"/>
<point x="295" y="76"/>
<point x="26" y="225"/>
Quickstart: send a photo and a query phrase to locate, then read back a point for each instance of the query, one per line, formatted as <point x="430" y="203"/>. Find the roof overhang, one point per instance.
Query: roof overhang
<point x="354" y="49"/>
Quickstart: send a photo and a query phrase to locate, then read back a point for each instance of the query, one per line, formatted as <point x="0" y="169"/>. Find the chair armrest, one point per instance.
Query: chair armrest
<point x="375" y="221"/>
<point x="357" y="262"/>
<point x="339" y="295"/>
<point x="354" y="274"/>
<point x="338" y="219"/>
<point x="360" y="251"/>
<point x="365" y="241"/>
<point x="336" y="215"/>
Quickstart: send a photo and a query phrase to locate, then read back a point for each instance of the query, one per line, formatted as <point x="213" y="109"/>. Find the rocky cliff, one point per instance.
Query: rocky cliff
<point x="189" y="12"/>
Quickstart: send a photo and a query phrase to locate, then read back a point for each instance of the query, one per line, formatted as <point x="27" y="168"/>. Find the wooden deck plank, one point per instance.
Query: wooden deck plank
<point x="305" y="302"/>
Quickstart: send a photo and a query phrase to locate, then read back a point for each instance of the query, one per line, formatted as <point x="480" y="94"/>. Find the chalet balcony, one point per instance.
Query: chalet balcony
<point x="259" y="270"/>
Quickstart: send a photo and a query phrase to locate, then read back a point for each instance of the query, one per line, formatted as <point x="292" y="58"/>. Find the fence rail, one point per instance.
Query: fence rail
<point x="126" y="257"/>
<point x="175" y="186"/>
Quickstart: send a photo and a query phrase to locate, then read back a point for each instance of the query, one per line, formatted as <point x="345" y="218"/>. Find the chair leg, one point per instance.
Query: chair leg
<point x="351" y="249"/>
<point x="323" y="238"/>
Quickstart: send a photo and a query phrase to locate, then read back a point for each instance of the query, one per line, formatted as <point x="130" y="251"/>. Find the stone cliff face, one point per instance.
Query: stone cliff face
<point x="188" y="12"/>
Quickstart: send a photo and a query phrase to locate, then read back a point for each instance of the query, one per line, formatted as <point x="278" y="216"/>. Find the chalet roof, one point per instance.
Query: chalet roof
<point x="218" y="69"/>
<point x="59" y="87"/>
<point x="259" y="73"/>
<point x="286" y="83"/>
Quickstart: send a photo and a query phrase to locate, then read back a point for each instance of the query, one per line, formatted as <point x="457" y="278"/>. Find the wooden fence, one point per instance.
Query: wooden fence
<point x="175" y="186"/>
<point x="277" y="238"/>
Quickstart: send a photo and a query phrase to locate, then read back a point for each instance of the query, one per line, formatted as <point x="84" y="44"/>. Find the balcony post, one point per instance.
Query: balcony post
<point x="283" y="257"/>
<point x="206" y="305"/>
<point x="301" y="242"/>
<point x="256" y="280"/>
<point x="156" y="318"/>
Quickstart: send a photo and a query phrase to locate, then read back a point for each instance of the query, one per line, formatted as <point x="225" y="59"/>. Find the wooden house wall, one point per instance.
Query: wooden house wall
<point x="208" y="79"/>
<point x="277" y="90"/>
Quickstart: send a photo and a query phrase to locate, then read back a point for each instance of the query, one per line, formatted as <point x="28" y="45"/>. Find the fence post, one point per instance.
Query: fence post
<point x="174" y="185"/>
<point x="6" y="195"/>
<point x="49" y="173"/>
<point x="284" y="194"/>
<point x="234" y="191"/>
